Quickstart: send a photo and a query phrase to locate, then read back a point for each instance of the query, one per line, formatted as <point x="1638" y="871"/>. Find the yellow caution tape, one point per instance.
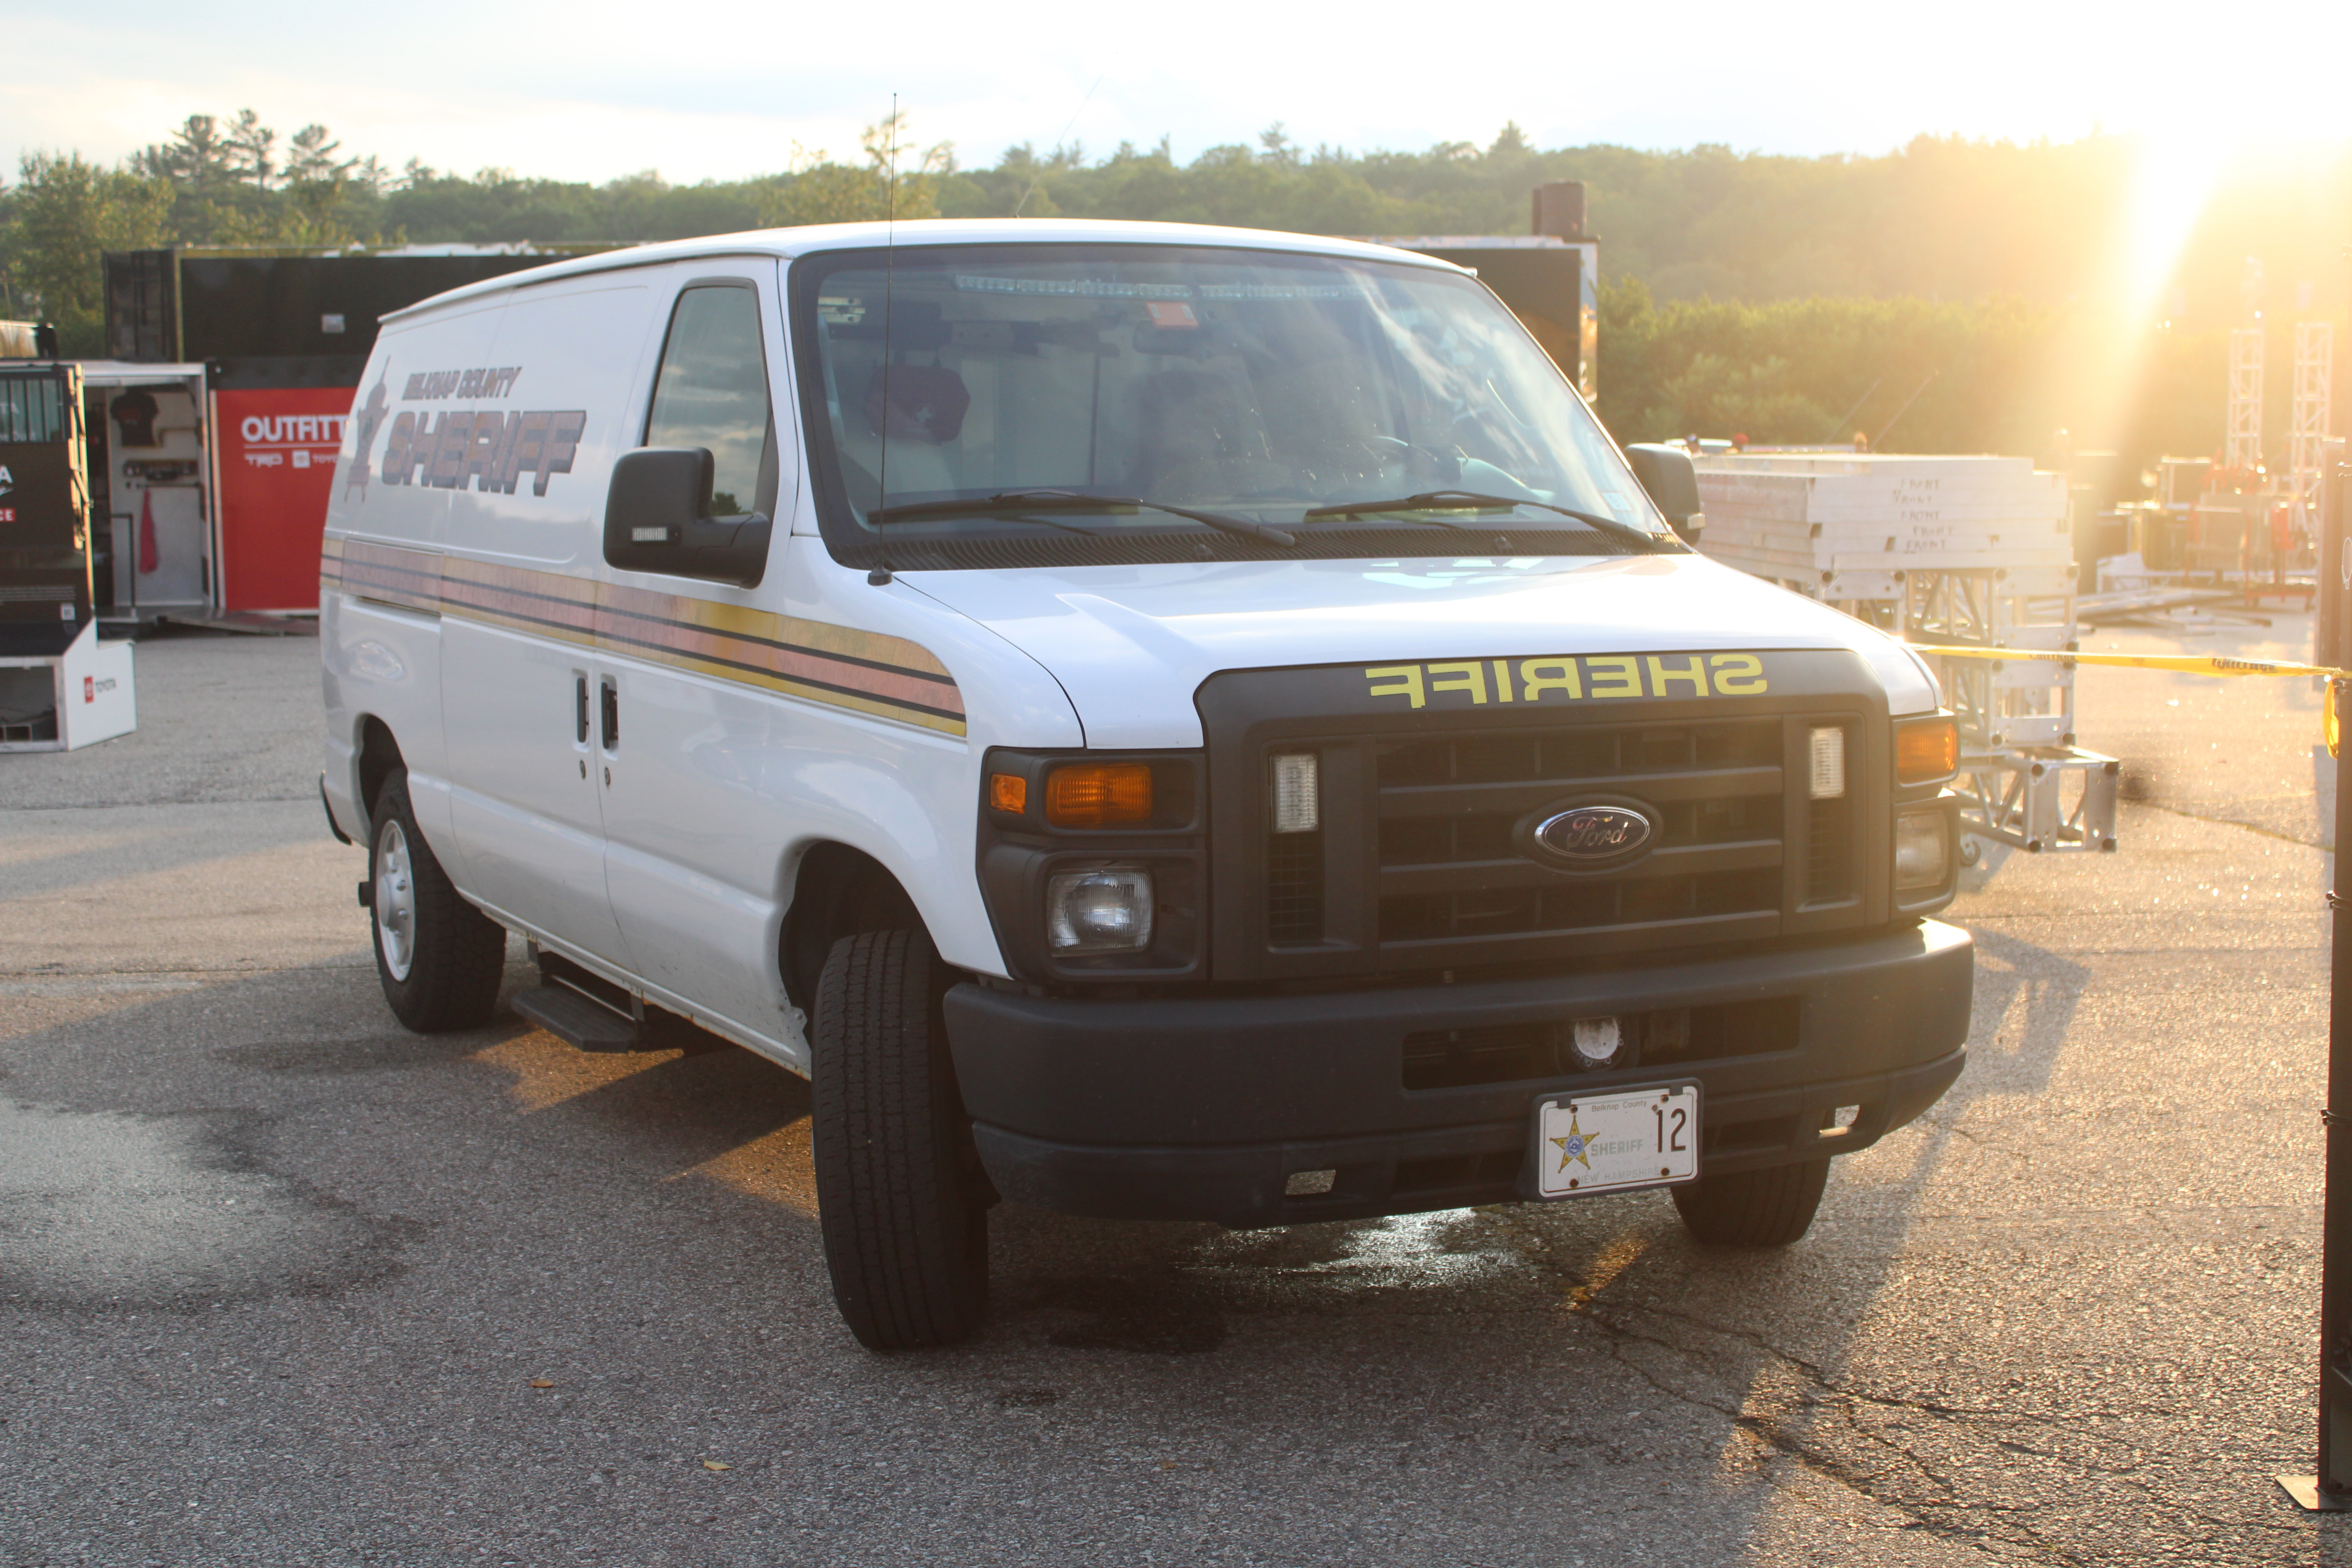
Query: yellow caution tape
<point x="2186" y="664"/>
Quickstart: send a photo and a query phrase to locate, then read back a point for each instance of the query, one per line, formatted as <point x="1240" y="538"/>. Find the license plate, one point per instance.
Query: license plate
<point x="1643" y="1137"/>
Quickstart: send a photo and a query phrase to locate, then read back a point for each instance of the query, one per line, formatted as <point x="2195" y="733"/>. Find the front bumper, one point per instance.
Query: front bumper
<point x="1202" y="1107"/>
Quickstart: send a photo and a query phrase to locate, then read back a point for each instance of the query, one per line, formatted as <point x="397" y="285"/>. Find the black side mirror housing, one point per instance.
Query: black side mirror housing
<point x="658" y="519"/>
<point x="1666" y="473"/>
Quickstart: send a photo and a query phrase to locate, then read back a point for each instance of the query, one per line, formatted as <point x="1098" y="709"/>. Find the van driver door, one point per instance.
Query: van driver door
<point x="694" y="809"/>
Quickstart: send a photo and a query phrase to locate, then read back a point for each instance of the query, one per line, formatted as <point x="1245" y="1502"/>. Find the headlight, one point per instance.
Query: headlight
<point x="1923" y="854"/>
<point x="1107" y="909"/>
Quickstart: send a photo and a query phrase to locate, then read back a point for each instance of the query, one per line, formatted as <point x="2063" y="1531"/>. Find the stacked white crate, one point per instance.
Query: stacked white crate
<point x="1846" y="527"/>
<point x="1952" y="549"/>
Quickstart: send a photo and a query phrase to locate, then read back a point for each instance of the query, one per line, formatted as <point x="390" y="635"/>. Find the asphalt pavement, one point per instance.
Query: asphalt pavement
<point x="280" y="1283"/>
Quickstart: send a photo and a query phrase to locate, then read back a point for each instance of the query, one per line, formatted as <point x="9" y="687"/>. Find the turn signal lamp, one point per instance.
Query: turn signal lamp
<point x="1098" y="794"/>
<point x="1927" y="751"/>
<point x="1008" y="792"/>
<point x="2332" y="719"/>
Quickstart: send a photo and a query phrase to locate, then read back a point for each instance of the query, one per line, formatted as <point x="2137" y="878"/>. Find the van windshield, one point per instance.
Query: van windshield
<point x="947" y="385"/>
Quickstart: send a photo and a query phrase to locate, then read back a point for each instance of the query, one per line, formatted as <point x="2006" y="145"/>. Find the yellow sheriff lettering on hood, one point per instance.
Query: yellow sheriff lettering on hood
<point x="1568" y="677"/>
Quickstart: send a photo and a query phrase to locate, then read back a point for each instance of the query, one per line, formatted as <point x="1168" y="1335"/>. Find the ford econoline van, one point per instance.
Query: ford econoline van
<point x="1151" y="721"/>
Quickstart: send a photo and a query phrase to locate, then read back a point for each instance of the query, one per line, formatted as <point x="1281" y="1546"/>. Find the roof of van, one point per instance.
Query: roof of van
<point x="787" y="243"/>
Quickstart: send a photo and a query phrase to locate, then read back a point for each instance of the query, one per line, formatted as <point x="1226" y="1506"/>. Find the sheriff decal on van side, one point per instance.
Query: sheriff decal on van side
<point x="494" y="450"/>
<point x="370" y="419"/>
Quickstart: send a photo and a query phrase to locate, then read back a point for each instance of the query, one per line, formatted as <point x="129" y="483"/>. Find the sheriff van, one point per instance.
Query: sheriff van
<point x="1151" y="720"/>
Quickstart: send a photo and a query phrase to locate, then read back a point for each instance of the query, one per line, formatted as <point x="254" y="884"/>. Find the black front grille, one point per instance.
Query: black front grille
<point x="1584" y="751"/>
<point x="1426" y="857"/>
<point x="1452" y="810"/>
<point x="1293" y="888"/>
<point x="1829" y="851"/>
<point x="1516" y="912"/>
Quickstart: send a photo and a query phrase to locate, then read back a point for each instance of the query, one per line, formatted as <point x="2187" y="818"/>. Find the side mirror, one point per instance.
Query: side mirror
<point x="1666" y="473"/>
<point x="658" y="519"/>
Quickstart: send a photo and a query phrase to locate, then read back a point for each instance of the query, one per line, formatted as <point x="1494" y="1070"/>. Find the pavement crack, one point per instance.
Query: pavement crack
<point x="1909" y="1483"/>
<point x="2232" y="822"/>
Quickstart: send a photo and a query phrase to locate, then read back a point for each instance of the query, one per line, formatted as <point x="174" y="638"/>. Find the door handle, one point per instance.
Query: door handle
<point x="580" y="706"/>
<point x="612" y="714"/>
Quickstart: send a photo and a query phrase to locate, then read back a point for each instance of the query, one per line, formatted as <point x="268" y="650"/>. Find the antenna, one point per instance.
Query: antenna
<point x="880" y="575"/>
<point x="1064" y="136"/>
<point x="1908" y="402"/>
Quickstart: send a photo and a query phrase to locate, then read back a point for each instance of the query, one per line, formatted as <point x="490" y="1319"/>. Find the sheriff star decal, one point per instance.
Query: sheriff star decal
<point x="1573" y="1145"/>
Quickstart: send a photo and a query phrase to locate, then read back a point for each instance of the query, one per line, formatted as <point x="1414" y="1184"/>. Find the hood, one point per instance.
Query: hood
<point x="1131" y="643"/>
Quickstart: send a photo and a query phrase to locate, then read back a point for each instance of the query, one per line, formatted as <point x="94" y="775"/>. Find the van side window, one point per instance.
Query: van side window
<point x="712" y="391"/>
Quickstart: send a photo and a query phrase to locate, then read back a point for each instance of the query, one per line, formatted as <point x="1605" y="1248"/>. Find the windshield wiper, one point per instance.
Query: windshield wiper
<point x="1013" y="503"/>
<point x="1467" y="500"/>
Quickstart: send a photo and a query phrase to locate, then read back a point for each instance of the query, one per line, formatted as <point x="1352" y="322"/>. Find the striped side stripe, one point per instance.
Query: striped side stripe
<point x="867" y="672"/>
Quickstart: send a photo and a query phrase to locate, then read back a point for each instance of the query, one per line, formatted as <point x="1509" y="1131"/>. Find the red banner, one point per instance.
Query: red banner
<point x="277" y="467"/>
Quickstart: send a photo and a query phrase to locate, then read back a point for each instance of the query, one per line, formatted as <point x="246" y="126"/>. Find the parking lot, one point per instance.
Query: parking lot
<point x="280" y="1283"/>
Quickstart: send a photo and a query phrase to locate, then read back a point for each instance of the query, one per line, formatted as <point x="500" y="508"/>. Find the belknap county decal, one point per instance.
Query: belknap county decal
<point x="1584" y="677"/>
<point x="491" y="449"/>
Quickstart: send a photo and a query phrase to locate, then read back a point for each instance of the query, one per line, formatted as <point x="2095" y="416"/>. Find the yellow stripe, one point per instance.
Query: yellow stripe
<point x="2186" y="664"/>
<point x="585" y="614"/>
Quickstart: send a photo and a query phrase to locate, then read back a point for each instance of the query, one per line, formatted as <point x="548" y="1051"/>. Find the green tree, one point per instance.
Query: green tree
<point x="209" y="199"/>
<point x="62" y="216"/>
<point x="1918" y="375"/>
<point x="321" y="197"/>
<point x="252" y="148"/>
<point x="896" y="179"/>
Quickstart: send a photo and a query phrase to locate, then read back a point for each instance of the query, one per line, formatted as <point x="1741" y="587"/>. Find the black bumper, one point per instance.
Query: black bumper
<point x="1202" y="1107"/>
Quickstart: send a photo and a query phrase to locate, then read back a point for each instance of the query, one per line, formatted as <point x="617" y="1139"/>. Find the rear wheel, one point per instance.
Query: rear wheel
<point x="440" y="959"/>
<point x="901" y="1196"/>
<point x="1754" y="1208"/>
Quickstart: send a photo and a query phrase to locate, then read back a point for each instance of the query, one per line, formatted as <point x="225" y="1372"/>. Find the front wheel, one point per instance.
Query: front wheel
<point x="1754" y="1208"/>
<point x="440" y="959"/>
<point x="901" y="1196"/>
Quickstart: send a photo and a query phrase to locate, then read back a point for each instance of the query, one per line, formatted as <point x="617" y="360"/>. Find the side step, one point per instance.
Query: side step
<point x="587" y="1025"/>
<point x="591" y="1013"/>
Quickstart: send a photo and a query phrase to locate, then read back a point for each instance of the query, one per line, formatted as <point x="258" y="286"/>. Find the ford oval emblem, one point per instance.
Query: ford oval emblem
<point x="1590" y="834"/>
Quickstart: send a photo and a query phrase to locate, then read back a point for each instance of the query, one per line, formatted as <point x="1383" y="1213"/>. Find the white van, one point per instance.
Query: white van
<point x="1153" y="722"/>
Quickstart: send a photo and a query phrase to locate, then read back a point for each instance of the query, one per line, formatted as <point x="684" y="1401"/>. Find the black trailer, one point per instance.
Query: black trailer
<point x="283" y="335"/>
<point x="1550" y="277"/>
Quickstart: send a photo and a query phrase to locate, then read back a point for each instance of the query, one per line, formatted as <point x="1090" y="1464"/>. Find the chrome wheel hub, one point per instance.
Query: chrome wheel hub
<point x="395" y="901"/>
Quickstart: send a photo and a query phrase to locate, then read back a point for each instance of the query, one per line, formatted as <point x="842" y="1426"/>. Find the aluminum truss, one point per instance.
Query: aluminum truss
<point x="2245" y="449"/>
<point x="2022" y="781"/>
<point x="2039" y="798"/>
<point x="2315" y="375"/>
<point x="2001" y="703"/>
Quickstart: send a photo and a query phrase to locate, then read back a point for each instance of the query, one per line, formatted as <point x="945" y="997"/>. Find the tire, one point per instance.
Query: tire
<point x="1754" y="1208"/>
<point x="440" y="959"/>
<point x="901" y="1198"/>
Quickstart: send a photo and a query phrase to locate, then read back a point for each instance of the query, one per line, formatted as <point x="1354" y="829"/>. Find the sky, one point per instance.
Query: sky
<point x="724" y="89"/>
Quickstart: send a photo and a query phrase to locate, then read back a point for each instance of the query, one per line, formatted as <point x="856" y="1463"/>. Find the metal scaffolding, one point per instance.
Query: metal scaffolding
<point x="2315" y="375"/>
<point x="2245" y="439"/>
<point x="2022" y="780"/>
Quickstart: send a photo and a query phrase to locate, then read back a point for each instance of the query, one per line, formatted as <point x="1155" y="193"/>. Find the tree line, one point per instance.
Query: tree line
<point x="1920" y="293"/>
